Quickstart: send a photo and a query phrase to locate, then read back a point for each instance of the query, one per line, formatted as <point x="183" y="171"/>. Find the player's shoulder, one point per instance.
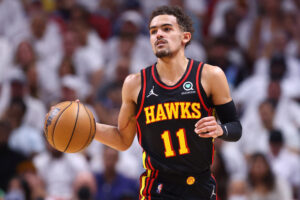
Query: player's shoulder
<point x="132" y="86"/>
<point x="211" y="71"/>
<point x="133" y="80"/>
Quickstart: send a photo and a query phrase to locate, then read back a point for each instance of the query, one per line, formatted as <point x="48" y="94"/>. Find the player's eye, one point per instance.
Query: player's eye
<point x="166" y="29"/>
<point x="153" y="32"/>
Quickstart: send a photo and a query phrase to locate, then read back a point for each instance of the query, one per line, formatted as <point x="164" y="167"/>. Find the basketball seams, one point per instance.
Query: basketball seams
<point x="73" y="128"/>
<point x="60" y="114"/>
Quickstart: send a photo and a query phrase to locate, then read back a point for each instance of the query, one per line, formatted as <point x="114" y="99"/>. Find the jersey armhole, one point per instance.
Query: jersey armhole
<point x="141" y="96"/>
<point x="201" y="92"/>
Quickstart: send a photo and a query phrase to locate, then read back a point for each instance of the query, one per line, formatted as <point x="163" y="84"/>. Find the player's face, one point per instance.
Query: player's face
<point x="166" y="37"/>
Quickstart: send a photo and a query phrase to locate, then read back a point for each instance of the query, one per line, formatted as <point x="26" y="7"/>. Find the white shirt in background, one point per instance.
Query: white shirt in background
<point x="58" y="174"/>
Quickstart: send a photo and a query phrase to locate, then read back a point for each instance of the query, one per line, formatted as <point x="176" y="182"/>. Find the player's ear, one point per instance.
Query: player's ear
<point x="187" y="36"/>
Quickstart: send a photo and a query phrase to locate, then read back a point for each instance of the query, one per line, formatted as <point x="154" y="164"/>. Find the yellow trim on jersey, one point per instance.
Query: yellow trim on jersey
<point x="144" y="182"/>
<point x="144" y="160"/>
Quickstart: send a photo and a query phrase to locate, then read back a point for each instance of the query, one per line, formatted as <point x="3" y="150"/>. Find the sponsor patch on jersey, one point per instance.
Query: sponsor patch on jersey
<point x="188" y="87"/>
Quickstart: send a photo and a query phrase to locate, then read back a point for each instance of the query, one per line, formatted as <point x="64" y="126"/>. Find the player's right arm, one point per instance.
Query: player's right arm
<point x="121" y="137"/>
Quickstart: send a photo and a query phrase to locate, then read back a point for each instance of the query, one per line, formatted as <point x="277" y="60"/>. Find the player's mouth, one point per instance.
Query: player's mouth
<point x="160" y="42"/>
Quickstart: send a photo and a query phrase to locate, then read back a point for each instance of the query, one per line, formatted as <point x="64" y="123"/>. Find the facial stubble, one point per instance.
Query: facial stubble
<point x="163" y="53"/>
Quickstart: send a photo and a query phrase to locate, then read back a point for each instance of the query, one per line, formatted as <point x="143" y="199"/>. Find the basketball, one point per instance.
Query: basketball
<point x="69" y="127"/>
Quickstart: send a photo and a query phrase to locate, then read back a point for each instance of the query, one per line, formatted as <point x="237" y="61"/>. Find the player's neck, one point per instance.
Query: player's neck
<point x="171" y="69"/>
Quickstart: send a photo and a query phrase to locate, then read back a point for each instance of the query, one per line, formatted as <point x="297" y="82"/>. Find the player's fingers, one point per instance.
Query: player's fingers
<point x="207" y="123"/>
<point x="206" y="129"/>
<point x="212" y="134"/>
<point x="204" y="119"/>
<point x="77" y="101"/>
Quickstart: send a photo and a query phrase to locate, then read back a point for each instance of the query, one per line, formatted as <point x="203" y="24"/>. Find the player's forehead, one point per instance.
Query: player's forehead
<point x="161" y="20"/>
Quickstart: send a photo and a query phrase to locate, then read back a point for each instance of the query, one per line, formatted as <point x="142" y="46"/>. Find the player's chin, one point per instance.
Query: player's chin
<point x="162" y="53"/>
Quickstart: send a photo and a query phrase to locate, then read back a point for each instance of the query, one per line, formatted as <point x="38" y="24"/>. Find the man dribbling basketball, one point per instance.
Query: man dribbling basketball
<point x="170" y="105"/>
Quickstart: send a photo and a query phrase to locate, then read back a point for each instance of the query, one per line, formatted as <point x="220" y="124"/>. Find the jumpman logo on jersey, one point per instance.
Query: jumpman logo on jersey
<point x="151" y="93"/>
<point x="213" y="193"/>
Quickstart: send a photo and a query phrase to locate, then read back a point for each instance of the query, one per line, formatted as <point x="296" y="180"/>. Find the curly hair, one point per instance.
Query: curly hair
<point x="183" y="20"/>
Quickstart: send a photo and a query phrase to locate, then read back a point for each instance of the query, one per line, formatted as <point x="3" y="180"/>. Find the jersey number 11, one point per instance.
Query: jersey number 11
<point x="169" y="150"/>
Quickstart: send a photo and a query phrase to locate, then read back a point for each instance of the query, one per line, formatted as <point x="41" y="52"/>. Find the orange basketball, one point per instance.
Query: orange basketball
<point x="69" y="126"/>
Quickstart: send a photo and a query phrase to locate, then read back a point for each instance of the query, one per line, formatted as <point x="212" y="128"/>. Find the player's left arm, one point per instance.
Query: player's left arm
<point x="216" y="86"/>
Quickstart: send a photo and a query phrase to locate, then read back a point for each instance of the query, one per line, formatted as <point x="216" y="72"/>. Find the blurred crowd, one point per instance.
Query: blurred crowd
<point x="59" y="50"/>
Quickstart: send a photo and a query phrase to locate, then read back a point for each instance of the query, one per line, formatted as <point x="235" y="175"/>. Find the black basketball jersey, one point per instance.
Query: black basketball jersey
<point x="166" y="121"/>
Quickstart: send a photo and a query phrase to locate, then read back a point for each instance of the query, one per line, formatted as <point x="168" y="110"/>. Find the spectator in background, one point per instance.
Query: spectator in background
<point x="84" y="186"/>
<point x="10" y="159"/>
<point x="41" y="80"/>
<point x="234" y="159"/>
<point x="285" y="164"/>
<point x="276" y="55"/>
<point x="277" y="72"/>
<point x="27" y="185"/>
<point x="46" y="38"/>
<point x="263" y="183"/>
<point x="112" y="185"/>
<point x="129" y="42"/>
<point x="238" y="190"/>
<point x="109" y="95"/>
<point x="88" y="57"/>
<point x="291" y="23"/>
<point x="257" y="131"/>
<point x="59" y="170"/>
<point x="221" y="175"/>
<point x="233" y="19"/>
<point x="109" y="9"/>
<point x="13" y="22"/>
<point x="72" y="88"/>
<point x="268" y="21"/>
<point x="24" y="138"/>
<point x="18" y="189"/>
<point x="66" y="67"/>
<point x="218" y="55"/>
<point x="25" y="60"/>
<point x="16" y="86"/>
<point x="6" y="55"/>
<point x="100" y="20"/>
<point x="70" y="43"/>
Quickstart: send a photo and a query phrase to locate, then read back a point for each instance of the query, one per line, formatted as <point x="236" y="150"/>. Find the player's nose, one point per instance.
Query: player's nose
<point x="159" y="34"/>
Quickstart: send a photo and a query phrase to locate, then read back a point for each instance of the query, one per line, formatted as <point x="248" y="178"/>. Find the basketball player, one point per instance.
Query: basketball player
<point x="169" y="105"/>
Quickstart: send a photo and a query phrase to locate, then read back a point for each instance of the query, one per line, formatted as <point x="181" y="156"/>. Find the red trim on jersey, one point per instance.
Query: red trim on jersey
<point x="143" y="95"/>
<point x="198" y="89"/>
<point x="213" y="153"/>
<point x="141" y="178"/>
<point x="178" y="84"/>
<point x="151" y="167"/>
<point x="151" y="183"/>
<point x="147" y="185"/>
<point x="139" y="132"/>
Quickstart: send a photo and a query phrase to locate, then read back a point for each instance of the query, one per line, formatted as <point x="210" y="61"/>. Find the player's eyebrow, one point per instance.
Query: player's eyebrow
<point x="152" y="27"/>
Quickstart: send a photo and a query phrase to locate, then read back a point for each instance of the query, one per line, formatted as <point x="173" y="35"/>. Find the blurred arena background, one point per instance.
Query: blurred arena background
<point x="57" y="50"/>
